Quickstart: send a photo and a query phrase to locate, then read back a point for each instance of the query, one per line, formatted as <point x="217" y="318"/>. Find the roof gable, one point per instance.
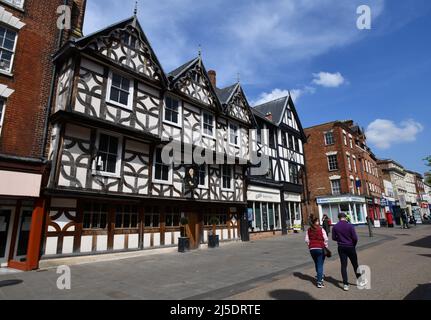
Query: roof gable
<point x="125" y="44"/>
<point x="191" y="79"/>
<point x="235" y="103"/>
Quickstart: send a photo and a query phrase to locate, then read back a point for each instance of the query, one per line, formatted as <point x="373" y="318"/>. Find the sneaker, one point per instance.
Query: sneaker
<point x="320" y="285"/>
<point x="363" y="283"/>
<point x="346" y="287"/>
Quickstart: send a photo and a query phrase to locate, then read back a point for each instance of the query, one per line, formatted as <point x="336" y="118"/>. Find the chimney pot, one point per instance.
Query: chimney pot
<point x="213" y="78"/>
<point x="269" y="116"/>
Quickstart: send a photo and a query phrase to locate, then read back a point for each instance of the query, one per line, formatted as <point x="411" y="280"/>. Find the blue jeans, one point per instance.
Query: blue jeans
<point x="318" y="256"/>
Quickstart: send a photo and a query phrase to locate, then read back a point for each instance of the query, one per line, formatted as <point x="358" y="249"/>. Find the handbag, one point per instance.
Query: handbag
<point x="327" y="252"/>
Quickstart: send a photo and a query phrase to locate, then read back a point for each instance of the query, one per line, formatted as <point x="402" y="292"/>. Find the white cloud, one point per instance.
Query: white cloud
<point x="259" y="39"/>
<point x="385" y="133"/>
<point x="279" y="93"/>
<point x="328" y="80"/>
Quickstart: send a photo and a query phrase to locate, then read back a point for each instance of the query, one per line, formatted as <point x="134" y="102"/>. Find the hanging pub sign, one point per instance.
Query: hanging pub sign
<point x="191" y="180"/>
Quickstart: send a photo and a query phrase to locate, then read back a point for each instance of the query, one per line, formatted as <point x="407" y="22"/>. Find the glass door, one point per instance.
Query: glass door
<point x="23" y="234"/>
<point x="6" y="221"/>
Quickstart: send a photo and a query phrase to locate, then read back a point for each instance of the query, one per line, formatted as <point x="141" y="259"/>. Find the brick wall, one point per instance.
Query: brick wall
<point x="23" y="126"/>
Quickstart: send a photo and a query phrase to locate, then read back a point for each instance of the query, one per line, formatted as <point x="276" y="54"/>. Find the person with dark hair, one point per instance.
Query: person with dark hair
<point x="317" y="240"/>
<point x="326" y="224"/>
<point x="345" y="235"/>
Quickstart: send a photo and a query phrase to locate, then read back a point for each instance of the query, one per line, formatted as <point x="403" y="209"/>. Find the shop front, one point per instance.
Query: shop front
<point x="294" y="211"/>
<point x="264" y="207"/>
<point x="21" y="218"/>
<point x="77" y="227"/>
<point x="353" y="206"/>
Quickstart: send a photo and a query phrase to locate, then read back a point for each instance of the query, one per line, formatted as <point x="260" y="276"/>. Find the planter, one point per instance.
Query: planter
<point x="183" y="244"/>
<point x="213" y="241"/>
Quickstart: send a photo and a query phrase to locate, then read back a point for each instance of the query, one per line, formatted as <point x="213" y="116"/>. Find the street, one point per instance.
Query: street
<point x="277" y="268"/>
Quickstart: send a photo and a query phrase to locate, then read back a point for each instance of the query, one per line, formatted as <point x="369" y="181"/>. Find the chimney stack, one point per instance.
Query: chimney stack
<point x="213" y="78"/>
<point x="269" y="116"/>
<point x="78" y="14"/>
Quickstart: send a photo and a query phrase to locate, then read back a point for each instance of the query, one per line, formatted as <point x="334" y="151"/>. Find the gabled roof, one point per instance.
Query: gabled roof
<point x="83" y="42"/>
<point x="178" y="71"/>
<point x="176" y="75"/>
<point x="225" y="94"/>
<point x="275" y="107"/>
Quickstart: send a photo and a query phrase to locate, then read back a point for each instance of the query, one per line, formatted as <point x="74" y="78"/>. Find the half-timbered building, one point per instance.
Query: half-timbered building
<point x="116" y="113"/>
<point x="275" y="196"/>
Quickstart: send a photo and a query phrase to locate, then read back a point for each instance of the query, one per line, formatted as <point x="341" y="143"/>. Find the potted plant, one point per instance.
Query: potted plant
<point x="213" y="238"/>
<point x="183" y="241"/>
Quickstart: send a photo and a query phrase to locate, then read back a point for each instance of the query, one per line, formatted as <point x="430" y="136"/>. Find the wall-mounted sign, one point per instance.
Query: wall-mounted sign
<point x="340" y="200"/>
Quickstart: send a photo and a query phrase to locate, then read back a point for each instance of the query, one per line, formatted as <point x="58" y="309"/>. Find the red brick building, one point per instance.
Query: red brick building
<point x="29" y="36"/>
<point x="342" y="173"/>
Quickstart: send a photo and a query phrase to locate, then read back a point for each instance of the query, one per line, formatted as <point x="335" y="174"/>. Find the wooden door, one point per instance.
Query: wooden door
<point x="194" y="230"/>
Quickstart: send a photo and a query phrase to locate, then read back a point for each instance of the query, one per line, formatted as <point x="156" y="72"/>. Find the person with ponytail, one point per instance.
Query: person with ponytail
<point x="317" y="241"/>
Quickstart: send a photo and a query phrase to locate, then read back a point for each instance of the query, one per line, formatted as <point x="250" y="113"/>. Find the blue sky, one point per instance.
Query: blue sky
<point x="380" y="77"/>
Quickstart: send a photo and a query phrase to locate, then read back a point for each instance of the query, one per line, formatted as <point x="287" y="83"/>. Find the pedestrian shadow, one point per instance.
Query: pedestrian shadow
<point x="9" y="283"/>
<point x="290" y="295"/>
<point x="421" y="243"/>
<point x="422" y="292"/>
<point x="426" y="255"/>
<point x="331" y="280"/>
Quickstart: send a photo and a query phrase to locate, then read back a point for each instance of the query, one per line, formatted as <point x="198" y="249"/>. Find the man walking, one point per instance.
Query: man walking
<point x="345" y="235"/>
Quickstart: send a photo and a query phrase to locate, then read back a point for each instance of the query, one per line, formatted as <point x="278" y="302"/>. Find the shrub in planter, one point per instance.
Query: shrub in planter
<point x="213" y="238"/>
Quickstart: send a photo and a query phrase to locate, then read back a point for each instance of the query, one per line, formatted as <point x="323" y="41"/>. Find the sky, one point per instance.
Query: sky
<point x="378" y="76"/>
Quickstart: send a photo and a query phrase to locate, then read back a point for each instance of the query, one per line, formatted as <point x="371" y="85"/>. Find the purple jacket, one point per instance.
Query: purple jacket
<point x="345" y="235"/>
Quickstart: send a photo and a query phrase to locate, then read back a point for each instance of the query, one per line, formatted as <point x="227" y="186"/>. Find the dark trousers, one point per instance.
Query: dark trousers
<point x="348" y="253"/>
<point x="318" y="256"/>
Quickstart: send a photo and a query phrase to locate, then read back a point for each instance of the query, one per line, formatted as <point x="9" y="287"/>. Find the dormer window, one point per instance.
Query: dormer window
<point x="7" y="48"/>
<point x="120" y="91"/>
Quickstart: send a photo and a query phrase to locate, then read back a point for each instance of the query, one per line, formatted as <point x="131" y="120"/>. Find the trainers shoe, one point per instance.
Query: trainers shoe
<point x="346" y="287"/>
<point x="320" y="285"/>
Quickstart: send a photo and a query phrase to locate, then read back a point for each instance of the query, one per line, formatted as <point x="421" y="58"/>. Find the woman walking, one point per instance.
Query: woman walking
<point x="317" y="241"/>
<point x="326" y="224"/>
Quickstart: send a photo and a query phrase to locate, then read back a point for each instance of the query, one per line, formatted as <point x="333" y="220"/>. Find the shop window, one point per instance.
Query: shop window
<point x="126" y="217"/>
<point x="172" y="217"/>
<point x="152" y="217"/>
<point x="95" y="216"/>
<point x="258" y="216"/>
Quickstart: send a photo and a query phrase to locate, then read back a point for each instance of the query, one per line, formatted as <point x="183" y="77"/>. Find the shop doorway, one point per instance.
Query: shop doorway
<point x="6" y="223"/>
<point x="23" y="233"/>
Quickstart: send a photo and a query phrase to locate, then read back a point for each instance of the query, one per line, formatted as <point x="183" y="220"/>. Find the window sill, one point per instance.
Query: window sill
<point x="208" y="136"/>
<point x="12" y="6"/>
<point x="178" y="125"/>
<point x="203" y="187"/>
<point x="168" y="183"/>
<point x="105" y="174"/>
<point x="6" y="73"/>
<point x="227" y="190"/>
<point x="119" y="105"/>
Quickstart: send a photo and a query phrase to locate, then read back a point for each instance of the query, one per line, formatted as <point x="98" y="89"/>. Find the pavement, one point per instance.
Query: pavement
<point x="275" y="268"/>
